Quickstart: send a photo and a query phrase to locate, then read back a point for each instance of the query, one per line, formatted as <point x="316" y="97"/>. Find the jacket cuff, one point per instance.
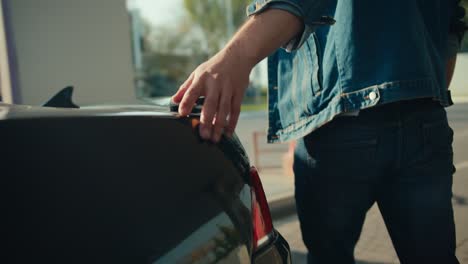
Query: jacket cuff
<point x="258" y="6"/>
<point x="296" y="8"/>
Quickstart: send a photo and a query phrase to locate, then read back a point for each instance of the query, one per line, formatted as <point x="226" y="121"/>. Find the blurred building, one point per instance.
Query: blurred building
<point x="57" y="43"/>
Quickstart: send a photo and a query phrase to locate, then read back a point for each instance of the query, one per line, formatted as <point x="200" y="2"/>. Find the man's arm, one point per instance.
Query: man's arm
<point x="224" y="78"/>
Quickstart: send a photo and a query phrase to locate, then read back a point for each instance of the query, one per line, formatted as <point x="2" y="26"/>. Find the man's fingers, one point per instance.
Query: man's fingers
<point x="233" y="115"/>
<point x="190" y="97"/>
<point x="223" y="110"/>
<point x="208" y="112"/>
<point x="176" y="98"/>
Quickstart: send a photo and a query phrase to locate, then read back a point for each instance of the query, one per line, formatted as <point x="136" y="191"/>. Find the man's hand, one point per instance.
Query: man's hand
<point x="222" y="80"/>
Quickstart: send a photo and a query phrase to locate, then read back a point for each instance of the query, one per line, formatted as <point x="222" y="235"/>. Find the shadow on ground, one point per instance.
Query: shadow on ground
<point x="301" y="258"/>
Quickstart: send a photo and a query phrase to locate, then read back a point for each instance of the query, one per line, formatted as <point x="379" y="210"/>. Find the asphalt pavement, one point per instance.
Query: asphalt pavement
<point x="374" y="246"/>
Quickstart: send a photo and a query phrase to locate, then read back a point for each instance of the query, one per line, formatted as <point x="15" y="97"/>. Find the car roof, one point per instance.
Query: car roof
<point x="12" y="111"/>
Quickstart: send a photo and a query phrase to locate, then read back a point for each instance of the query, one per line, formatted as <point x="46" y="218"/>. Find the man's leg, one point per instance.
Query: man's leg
<point x="415" y="200"/>
<point x="335" y="171"/>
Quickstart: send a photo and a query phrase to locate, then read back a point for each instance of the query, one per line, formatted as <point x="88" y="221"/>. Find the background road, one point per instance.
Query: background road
<point x="374" y="246"/>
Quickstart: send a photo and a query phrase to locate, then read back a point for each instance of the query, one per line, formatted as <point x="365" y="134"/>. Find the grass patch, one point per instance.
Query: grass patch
<point x="254" y="107"/>
<point x="252" y="104"/>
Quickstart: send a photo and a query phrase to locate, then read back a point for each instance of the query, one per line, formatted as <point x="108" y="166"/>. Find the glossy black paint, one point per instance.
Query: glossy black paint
<point x="121" y="189"/>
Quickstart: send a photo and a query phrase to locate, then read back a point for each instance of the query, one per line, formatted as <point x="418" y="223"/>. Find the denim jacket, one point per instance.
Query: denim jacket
<point x="356" y="54"/>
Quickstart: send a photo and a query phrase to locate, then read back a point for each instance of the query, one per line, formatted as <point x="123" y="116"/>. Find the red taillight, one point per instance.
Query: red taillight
<point x="261" y="217"/>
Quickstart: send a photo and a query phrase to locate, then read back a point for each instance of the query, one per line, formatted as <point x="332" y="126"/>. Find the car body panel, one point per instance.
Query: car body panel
<point x="8" y="111"/>
<point x="128" y="184"/>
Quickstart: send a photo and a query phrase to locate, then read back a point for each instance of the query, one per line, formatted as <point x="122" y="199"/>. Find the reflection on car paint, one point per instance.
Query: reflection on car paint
<point x="224" y="245"/>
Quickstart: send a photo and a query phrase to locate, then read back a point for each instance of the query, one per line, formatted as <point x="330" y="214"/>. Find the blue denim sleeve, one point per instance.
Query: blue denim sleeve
<point x="310" y="12"/>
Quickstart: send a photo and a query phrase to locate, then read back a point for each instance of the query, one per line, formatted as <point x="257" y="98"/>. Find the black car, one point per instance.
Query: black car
<point x="127" y="184"/>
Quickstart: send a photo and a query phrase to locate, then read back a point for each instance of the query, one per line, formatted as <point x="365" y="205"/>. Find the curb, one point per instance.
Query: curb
<point x="282" y="207"/>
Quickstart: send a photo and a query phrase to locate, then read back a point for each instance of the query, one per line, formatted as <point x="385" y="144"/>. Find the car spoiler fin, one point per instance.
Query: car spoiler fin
<point x="62" y="99"/>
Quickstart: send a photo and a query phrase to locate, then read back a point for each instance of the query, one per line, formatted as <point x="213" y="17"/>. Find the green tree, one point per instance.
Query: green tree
<point x="464" y="46"/>
<point x="171" y="53"/>
<point x="169" y="56"/>
<point x="210" y="17"/>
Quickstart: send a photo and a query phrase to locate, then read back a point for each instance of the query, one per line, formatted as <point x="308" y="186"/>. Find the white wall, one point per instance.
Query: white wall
<point x="84" y="43"/>
<point x="5" y="81"/>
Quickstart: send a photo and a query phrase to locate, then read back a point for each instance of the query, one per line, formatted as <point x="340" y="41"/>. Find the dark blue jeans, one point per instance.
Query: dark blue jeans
<point x="397" y="155"/>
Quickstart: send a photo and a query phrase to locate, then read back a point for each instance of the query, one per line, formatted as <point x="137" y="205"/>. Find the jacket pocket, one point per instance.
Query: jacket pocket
<point x="298" y="83"/>
<point x="315" y="58"/>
